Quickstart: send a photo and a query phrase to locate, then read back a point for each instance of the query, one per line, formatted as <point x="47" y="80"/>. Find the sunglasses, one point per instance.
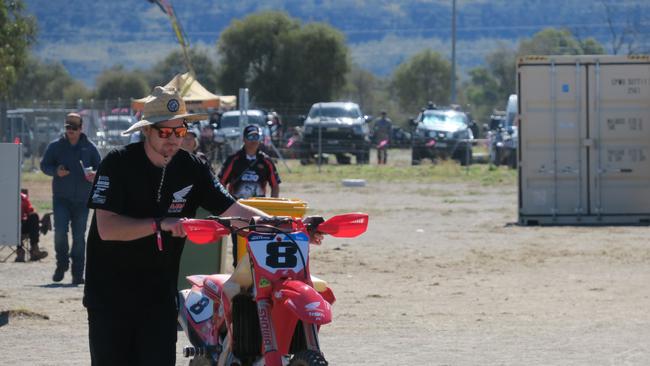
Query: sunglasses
<point x="72" y="128"/>
<point x="253" y="137"/>
<point x="166" y="132"/>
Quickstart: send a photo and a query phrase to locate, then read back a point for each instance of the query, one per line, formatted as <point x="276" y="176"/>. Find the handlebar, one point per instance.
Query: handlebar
<point x="209" y="230"/>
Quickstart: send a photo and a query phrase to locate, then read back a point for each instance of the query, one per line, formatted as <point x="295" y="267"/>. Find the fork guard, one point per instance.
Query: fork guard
<point x="304" y="301"/>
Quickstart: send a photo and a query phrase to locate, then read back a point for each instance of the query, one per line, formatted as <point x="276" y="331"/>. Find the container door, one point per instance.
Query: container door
<point x="619" y="161"/>
<point x="552" y="132"/>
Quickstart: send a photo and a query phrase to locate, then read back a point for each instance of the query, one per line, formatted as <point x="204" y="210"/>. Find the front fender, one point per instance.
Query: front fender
<point x="305" y="302"/>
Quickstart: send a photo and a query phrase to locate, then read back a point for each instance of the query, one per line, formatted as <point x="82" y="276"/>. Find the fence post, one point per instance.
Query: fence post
<point x="3" y="119"/>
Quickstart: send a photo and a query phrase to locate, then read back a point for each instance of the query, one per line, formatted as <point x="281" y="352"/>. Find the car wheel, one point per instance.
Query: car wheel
<point x="343" y="159"/>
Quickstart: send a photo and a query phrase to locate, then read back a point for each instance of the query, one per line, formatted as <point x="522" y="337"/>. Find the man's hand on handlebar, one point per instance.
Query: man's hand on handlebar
<point x="174" y="225"/>
<point x="312" y="222"/>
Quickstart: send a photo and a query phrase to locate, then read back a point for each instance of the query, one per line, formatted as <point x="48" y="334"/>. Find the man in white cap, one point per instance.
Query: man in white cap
<point x="141" y="194"/>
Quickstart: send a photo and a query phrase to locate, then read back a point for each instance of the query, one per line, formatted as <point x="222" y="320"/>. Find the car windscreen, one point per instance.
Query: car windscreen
<point x="232" y="121"/>
<point x="334" y="112"/>
<point x="436" y="119"/>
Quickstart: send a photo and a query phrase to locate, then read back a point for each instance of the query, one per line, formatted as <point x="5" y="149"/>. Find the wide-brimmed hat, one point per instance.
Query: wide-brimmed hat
<point x="163" y="104"/>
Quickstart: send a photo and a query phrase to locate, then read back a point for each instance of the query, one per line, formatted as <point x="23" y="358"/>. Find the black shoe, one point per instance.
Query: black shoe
<point x="58" y="274"/>
<point x="78" y="280"/>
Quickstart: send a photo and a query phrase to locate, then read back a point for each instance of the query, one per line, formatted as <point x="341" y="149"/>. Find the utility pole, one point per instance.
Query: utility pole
<point x="453" y="51"/>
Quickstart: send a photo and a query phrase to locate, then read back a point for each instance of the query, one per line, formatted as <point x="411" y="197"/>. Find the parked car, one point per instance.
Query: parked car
<point x="45" y="132"/>
<point x="503" y="137"/>
<point x="442" y="134"/>
<point x="110" y="130"/>
<point x="401" y="138"/>
<point x="343" y="130"/>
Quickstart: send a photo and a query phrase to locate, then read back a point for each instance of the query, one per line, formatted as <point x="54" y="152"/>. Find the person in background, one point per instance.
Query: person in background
<point x="72" y="161"/>
<point x="142" y="194"/>
<point x="247" y="172"/>
<point x="29" y="225"/>
<point x="191" y="143"/>
<point x="381" y="132"/>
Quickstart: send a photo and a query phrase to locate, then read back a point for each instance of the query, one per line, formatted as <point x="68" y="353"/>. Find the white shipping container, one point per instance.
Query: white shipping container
<point x="584" y="139"/>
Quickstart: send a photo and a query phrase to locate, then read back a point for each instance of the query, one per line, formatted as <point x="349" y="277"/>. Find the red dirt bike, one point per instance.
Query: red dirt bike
<point x="269" y="311"/>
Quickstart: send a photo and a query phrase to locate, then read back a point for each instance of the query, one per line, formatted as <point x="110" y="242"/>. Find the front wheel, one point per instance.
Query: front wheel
<point x="308" y="358"/>
<point x="201" y="361"/>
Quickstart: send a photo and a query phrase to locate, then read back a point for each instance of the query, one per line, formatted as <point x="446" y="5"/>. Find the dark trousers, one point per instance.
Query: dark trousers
<point x="132" y="337"/>
<point x="29" y="226"/>
<point x="382" y="155"/>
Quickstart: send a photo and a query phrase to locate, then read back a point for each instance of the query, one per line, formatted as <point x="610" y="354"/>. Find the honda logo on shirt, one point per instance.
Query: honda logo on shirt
<point x="178" y="203"/>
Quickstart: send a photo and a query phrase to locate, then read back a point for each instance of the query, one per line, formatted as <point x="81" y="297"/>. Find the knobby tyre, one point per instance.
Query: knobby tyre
<point x="308" y="358"/>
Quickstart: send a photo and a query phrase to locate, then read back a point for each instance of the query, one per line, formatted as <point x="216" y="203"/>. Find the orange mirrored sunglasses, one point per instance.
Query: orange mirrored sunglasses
<point x="166" y="132"/>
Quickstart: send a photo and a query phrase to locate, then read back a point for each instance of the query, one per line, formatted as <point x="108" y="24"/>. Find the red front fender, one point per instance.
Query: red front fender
<point x="304" y="301"/>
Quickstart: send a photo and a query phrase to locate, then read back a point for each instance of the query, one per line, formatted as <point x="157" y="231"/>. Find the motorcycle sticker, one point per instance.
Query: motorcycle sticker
<point x="199" y="307"/>
<point x="276" y="256"/>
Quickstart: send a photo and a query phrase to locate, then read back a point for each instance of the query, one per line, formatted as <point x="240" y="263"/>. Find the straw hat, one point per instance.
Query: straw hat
<point x="163" y="105"/>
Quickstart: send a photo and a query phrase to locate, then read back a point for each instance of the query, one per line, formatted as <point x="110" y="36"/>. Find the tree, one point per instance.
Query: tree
<point x="501" y="63"/>
<point x="363" y="87"/>
<point x="46" y="80"/>
<point x="205" y="70"/>
<point x="281" y="61"/>
<point x="551" y="41"/>
<point x="17" y="33"/>
<point x="117" y="83"/>
<point x="482" y="92"/>
<point x="424" y="77"/>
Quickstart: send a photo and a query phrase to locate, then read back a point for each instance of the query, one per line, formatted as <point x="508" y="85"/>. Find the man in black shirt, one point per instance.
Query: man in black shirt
<point x="141" y="194"/>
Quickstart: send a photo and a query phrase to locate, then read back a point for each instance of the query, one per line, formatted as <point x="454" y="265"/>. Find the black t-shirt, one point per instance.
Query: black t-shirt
<point x="247" y="176"/>
<point x="120" y="274"/>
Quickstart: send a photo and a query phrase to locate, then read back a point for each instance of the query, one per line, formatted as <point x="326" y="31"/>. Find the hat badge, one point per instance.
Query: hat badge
<point x="173" y="105"/>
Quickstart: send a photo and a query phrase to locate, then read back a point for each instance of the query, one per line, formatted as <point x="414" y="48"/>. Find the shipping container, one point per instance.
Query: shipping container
<point x="584" y="139"/>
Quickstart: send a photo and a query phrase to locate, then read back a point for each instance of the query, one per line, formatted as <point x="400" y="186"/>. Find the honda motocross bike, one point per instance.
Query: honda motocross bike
<point x="269" y="311"/>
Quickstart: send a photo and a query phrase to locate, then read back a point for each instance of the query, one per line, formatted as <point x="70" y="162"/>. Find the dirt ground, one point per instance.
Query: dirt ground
<point x="442" y="277"/>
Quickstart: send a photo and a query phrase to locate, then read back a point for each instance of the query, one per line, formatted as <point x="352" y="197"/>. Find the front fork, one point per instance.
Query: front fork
<point x="269" y="343"/>
<point x="272" y="356"/>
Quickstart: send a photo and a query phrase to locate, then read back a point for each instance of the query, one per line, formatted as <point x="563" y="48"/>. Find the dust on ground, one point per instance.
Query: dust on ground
<point x="442" y="277"/>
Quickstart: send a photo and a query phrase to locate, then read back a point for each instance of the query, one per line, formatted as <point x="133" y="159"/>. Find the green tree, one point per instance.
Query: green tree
<point x="204" y="68"/>
<point x="424" y="77"/>
<point x="363" y="87"/>
<point x="47" y="81"/>
<point x="282" y="62"/>
<point x="501" y="63"/>
<point x="117" y="83"/>
<point x="552" y="41"/>
<point x="17" y="33"/>
<point x="482" y="92"/>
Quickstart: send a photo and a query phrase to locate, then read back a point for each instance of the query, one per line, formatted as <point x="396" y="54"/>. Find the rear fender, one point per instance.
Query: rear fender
<point x="304" y="301"/>
<point x="196" y="316"/>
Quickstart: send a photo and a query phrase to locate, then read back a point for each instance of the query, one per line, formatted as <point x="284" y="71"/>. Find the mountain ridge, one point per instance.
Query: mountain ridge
<point x="89" y="36"/>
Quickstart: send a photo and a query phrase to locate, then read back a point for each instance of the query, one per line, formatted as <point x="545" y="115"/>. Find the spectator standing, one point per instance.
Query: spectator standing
<point x="382" y="132"/>
<point x="71" y="160"/>
<point x="141" y="195"/>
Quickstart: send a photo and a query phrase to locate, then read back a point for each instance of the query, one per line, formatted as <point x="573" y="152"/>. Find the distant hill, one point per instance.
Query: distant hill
<point x="88" y="36"/>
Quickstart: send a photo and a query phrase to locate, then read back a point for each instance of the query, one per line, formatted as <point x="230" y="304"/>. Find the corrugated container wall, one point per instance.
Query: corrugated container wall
<point x="584" y="139"/>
